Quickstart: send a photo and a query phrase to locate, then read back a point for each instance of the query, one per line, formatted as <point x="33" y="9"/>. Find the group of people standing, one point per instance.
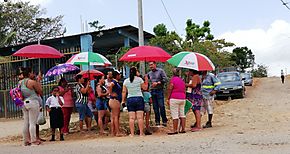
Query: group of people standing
<point x="105" y="100"/>
<point x="199" y="88"/>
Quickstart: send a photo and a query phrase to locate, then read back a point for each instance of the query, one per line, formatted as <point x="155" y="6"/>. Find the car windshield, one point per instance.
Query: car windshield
<point x="228" y="77"/>
<point x="246" y="75"/>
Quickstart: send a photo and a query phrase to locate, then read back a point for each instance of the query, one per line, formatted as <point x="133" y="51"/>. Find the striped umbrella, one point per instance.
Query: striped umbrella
<point x="192" y="60"/>
<point x="89" y="58"/>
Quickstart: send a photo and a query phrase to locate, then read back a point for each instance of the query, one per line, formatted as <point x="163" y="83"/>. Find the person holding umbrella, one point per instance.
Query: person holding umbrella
<point x="30" y="90"/>
<point x="158" y="78"/>
<point x="195" y="97"/>
<point x="82" y="102"/>
<point x="66" y="92"/>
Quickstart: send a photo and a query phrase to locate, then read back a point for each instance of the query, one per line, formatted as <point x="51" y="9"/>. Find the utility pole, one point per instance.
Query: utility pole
<point x="141" y="34"/>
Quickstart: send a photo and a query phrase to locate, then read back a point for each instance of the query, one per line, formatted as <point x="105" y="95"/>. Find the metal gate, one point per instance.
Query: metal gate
<point x="9" y="79"/>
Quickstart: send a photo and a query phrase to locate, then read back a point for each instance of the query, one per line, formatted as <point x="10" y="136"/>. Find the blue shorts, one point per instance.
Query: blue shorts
<point x="83" y="110"/>
<point x="101" y="104"/>
<point x="135" y="104"/>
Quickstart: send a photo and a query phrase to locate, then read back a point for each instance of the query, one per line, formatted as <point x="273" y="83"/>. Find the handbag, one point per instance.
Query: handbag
<point x="41" y="119"/>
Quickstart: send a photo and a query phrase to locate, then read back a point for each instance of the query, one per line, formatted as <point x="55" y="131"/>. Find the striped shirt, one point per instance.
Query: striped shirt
<point x="81" y="98"/>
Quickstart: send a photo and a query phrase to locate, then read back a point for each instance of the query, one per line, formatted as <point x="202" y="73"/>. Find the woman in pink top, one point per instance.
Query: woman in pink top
<point x="67" y="108"/>
<point x="176" y="101"/>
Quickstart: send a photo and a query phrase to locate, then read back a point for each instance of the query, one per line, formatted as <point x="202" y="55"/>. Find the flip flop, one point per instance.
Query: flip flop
<point x="172" y="133"/>
<point x="195" y="129"/>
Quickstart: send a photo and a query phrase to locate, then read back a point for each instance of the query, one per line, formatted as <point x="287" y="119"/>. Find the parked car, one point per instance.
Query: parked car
<point x="231" y="85"/>
<point x="248" y="79"/>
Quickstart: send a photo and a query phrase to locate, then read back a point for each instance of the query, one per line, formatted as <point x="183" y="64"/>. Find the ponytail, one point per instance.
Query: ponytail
<point x="133" y="72"/>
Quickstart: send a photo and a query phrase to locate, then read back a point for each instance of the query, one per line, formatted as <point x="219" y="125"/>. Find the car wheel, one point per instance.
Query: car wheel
<point x="242" y="94"/>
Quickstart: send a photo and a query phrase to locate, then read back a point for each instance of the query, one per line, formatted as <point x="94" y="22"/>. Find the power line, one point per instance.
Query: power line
<point x="169" y="16"/>
<point x="285" y="4"/>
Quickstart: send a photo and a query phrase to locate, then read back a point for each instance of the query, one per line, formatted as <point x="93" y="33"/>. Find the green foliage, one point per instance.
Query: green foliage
<point x="260" y="71"/>
<point x="198" y="39"/>
<point x="160" y="30"/>
<point x="243" y="57"/>
<point x="196" y="33"/>
<point x="21" y="22"/>
<point x="169" y="41"/>
<point x="96" y="25"/>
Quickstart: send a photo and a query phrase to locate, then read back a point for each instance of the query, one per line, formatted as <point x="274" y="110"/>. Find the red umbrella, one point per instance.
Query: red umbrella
<point x="38" y="51"/>
<point x="91" y="73"/>
<point x="146" y="53"/>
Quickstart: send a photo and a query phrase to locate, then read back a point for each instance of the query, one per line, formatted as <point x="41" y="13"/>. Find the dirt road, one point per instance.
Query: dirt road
<point x="258" y="123"/>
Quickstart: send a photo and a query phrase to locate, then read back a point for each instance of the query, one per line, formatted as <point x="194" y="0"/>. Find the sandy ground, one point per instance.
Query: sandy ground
<point x="258" y="123"/>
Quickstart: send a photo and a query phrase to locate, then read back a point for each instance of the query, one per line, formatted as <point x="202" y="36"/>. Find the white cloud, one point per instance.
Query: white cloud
<point x="271" y="46"/>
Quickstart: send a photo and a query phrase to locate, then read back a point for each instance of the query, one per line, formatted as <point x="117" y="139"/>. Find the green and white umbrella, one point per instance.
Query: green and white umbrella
<point x="89" y="58"/>
<point x="191" y="60"/>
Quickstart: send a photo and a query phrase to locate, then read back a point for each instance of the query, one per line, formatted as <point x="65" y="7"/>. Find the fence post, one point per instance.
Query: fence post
<point x="5" y="105"/>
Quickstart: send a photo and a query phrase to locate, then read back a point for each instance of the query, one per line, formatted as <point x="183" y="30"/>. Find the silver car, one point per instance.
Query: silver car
<point x="248" y="79"/>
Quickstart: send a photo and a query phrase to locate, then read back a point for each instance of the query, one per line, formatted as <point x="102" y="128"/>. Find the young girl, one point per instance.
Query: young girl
<point x="53" y="106"/>
<point x="148" y="101"/>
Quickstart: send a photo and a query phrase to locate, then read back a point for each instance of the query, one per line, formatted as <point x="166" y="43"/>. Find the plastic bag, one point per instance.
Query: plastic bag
<point x="41" y="119"/>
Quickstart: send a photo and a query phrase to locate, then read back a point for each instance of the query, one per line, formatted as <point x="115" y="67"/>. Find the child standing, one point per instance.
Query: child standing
<point x="53" y="106"/>
<point x="147" y="108"/>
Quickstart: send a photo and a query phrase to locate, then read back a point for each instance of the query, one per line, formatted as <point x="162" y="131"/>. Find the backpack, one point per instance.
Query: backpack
<point x="16" y="96"/>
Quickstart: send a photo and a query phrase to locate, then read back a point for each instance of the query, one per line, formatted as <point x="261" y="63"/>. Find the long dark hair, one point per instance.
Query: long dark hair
<point x="61" y="81"/>
<point x="26" y="72"/>
<point x="133" y="73"/>
<point x="115" y="74"/>
<point x="98" y="78"/>
<point x="78" y="77"/>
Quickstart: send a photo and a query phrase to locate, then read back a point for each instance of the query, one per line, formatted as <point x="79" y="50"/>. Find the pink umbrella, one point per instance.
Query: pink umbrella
<point x="38" y="51"/>
<point x="91" y="74"/>
<point x="146" y="53"/>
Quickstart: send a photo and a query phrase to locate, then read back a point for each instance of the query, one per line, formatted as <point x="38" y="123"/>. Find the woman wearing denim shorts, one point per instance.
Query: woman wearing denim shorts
<point x="102" y="100"/>
<point x="135" y="101"/>
<point x="82" y="102"/>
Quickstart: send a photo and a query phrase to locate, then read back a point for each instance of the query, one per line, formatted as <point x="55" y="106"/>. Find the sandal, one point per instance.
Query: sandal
<point x="182" y="132"/>
<point x="172" y="133"/>
<point x="41" y="140"/>
<point x="27" y="144"/>
<point x="35" y="143"/>
<point x="119" y="135"/>
<point x="195" y="129"/>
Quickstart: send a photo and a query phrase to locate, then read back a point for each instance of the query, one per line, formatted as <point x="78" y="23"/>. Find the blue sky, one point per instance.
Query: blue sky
<point x="262" y="25"/>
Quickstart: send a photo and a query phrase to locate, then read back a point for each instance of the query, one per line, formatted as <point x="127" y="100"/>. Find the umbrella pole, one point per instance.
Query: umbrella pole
<point x="89" y="70"/>
<point x="39" y="65"/>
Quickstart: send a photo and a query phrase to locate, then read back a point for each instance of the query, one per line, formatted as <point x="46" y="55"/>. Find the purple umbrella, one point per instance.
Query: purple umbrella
<point x="60" y="69"/>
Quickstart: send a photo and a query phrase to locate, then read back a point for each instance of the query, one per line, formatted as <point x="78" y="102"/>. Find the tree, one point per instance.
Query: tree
<point x="195" y="33"/>
<point x="198" y="39"/>
<point x="243" y="57"/>
<point x="260" y="71"/>
<point x="96" y="25"/>
<point x="169" y="41"/>
<point x="21" y="22"/>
